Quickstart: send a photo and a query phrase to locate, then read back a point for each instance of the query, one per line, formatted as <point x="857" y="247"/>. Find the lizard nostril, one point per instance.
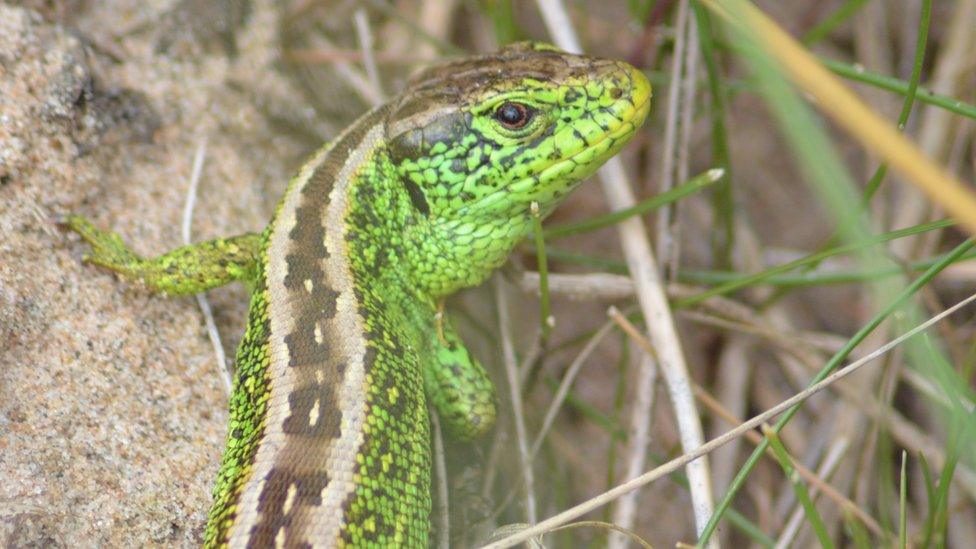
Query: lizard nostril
<point x="616" y="93"/>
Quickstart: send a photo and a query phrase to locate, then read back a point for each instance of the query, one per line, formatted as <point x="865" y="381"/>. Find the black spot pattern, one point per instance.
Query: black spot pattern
<point x="302" y="401"/>
<point x="271" y="505"/>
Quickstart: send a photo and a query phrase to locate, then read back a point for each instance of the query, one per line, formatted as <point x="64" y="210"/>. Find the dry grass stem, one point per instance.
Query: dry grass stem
<point x="669" y="157"/>
<point x="531" y="356"/>
<point x="754" y="437"/>
<point x="638" y="441"/>
<point x="565" y="385"/>
<point x="515" y="394"/>
<point x="441" y="481"/>
<point x="848" y="111"/>
<point x="352" y="76"/>
<point x="365" y="37"/>
<point x="732" y="381"/>
<point x="675" y="464"/>
<point x="600" y="286"/>
<point x="650" y="295"/>
<point x="224" y="367"/>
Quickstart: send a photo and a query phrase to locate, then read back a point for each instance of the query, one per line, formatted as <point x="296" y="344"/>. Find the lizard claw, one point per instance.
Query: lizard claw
<point x="107" y="248"/>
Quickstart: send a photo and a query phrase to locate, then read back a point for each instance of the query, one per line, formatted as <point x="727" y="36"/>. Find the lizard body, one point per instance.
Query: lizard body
<point x="328" y="441"/>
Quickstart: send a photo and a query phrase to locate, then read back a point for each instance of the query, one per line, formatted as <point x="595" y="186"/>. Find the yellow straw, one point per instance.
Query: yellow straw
<point x="847" y="110"/>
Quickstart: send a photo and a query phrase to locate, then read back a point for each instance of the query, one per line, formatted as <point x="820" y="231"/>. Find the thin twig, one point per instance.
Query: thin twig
<point x="732" y="381"/>
<point x="226" y="374"/>
<point x="660" y="326"/>
<point x="546" y="319"/>
<point x="689" y="89"/>
<point x="365" y="38"/>
<point x="638" y="440"/>
<point x="665" y="216"/>
<point x="557" y="401"/>
<point x="813" y="478"/>
<point x="440" y="471"/>
<point x="515" y="392"/>
<point x="566" y="384"/>
<point x="756" y="421"/>
<point x="755" y="438"/>
<point x="562" y="392"/>
<point x="498" y="444"/>
<point x="531" y="356"/>
<point x="603" y="286"/>
<point x="350" y="74"/>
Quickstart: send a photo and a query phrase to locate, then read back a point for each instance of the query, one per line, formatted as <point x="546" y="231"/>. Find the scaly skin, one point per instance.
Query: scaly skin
<point x="328" y="441"/>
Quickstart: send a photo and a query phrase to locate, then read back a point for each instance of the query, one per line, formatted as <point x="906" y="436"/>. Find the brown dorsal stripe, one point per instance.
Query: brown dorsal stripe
<point x="277" y="512"/>
<point x="316" y="413"/>
<point x="306" y="403"/>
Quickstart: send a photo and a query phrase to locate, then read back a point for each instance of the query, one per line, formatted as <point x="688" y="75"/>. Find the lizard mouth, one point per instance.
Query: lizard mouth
<point x="627" y="126"/>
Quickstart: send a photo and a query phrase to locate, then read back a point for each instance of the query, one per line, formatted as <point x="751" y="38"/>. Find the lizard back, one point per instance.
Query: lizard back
<point x="334" y="405"/>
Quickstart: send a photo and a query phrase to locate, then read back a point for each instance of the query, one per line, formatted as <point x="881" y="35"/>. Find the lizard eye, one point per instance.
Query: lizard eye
<point x="513" y="115"/>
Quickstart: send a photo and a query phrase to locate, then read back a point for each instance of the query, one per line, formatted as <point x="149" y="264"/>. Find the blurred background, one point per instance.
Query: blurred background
<point x="773" y="269"/>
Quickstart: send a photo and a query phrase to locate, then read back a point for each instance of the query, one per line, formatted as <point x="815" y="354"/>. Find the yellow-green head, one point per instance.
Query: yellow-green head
<point x="477" y="141"/>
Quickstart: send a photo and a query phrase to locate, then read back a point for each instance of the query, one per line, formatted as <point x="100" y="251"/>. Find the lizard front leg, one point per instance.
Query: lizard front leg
<point x="187" y="270"/>
<point x="457" y="384"/>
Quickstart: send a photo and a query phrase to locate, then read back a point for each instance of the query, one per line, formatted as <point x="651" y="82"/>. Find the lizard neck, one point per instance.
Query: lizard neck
<point x="450" y="254"/>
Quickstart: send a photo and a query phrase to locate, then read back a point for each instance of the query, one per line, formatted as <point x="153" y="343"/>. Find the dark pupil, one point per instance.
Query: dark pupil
<point x="512" y="115"/>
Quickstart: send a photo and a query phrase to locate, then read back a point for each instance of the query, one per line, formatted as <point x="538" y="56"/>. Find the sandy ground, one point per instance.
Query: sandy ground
<point x="111" y="409"/>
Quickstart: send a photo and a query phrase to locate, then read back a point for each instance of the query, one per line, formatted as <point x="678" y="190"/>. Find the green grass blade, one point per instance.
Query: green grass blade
<point x="940" y="524"/>
<point x="859" y="74"/>
<point x="931" y="498"/>
<point x="811" y="259"/>
<point x="832" y="21"/>
<point x="800" y="489"/>
<point x="831" y="365"/>
<point x="732" y="281"/>
<point x="857" y="532"/>
<point x="723" y="207"/>
<point x="906" y="109"/>
<point x="808" y="279"/>
<point x="503" y="20"/>
<point x="694" y="185"/>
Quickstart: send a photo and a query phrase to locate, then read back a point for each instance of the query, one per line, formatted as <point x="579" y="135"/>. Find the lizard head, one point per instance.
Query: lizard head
<point x="489" y="135"/>
<point x="477" y="141"/>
